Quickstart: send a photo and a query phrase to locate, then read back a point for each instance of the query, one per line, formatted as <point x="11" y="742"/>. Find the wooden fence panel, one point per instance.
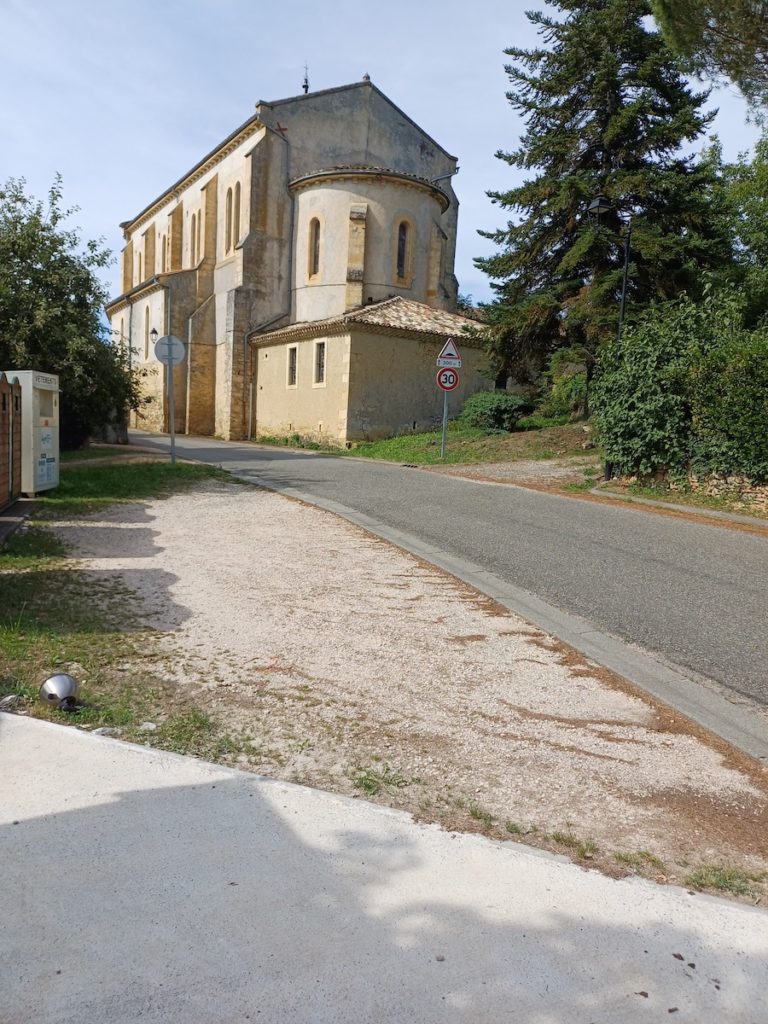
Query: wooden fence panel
<point x="10" y="441"/>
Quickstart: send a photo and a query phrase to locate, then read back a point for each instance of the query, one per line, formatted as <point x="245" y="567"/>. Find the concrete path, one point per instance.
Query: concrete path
<point x="140" y="886"/>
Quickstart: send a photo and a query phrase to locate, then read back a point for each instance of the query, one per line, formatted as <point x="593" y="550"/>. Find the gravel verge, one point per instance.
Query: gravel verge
<point x="353" y="666"/>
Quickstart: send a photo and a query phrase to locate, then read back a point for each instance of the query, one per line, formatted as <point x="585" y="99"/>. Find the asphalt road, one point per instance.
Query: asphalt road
<point x="692" y="594"/>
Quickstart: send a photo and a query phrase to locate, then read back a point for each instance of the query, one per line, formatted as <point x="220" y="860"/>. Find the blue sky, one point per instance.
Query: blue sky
<point x="122" y="98"/>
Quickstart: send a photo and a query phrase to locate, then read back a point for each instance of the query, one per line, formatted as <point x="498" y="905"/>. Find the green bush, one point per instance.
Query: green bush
<point x="537" y="422"/>
<point x="565" y="391"/>
<point x="729" y="409"/>
<point x="639" y="398"/>
<point x="494" y="410"/>
<point x="687" y="389"/>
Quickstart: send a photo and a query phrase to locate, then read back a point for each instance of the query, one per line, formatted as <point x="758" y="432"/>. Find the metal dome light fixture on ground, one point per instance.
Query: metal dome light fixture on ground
<point x="60" y="690"/>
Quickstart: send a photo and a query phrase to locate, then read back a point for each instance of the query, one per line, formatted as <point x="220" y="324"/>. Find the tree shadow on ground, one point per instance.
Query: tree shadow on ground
<point x="145" y="887"/>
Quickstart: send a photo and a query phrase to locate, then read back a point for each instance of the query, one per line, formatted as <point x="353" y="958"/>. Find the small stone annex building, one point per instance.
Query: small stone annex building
<point x="307" y="263"/>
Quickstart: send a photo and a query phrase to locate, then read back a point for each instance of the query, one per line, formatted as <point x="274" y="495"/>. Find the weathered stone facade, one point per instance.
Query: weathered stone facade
<point x="317" y="206"/>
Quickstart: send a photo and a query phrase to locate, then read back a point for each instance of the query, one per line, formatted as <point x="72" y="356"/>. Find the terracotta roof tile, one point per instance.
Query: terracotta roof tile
<point x="395" y="314"/>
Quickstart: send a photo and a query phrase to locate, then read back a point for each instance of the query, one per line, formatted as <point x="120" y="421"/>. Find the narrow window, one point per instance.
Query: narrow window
<point x="146" y="332"/>
<point x="320" y="362"/>
<point x="163" y="253"/>
<point x="139" y="269"/>
<point x="228" y="222"/>
<point x="193" y="241"/>
<point x="236" y="215"/>
<point x="402" y="249"/>
<point x="292" y="359"/>
<point x="199" y="249"/>
<point x="314" y="247"/>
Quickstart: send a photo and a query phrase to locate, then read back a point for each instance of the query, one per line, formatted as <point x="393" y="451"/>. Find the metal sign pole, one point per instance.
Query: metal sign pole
<point x="445" y="423"/>
<point x="172" y="413"/>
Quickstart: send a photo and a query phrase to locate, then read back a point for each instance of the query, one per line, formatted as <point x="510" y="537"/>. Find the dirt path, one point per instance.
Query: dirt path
<point x="355" y="667"/>
<point x="546" y="473"/>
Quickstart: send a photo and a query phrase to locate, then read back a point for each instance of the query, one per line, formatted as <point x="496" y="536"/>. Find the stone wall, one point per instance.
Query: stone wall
<point x="394" y="388"/>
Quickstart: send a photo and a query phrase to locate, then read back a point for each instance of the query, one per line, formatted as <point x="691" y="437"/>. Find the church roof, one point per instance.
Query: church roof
<point x="391" y="316"/>
<point x="368" y="171"/>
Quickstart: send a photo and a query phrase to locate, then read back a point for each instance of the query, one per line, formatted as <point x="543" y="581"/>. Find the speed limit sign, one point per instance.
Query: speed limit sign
<point x="447" y="379"/>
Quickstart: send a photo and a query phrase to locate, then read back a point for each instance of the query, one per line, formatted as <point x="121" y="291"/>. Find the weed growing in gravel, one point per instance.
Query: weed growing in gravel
<point x="723" y="879"/>
<point x="514" y="829"/>
<point x="373" y="780"/>
<point x="638" y="860"/>
<point x="584" y="849"/>
<point x="480" y="814"/>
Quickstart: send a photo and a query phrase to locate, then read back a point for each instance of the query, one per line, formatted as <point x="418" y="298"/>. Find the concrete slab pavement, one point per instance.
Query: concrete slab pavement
<point x="144" y="886"/>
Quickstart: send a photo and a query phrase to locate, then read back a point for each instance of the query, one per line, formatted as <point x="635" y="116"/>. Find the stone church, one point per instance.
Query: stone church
<point x="307" y="264"/>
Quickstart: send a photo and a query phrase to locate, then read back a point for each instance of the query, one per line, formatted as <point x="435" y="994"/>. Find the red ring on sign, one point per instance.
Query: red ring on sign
<point x="447" y="379"/>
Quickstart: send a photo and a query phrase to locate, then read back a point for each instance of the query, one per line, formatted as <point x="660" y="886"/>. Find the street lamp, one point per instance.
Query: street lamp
<point x="600" y="205"/>
<point x="153" y="336"/>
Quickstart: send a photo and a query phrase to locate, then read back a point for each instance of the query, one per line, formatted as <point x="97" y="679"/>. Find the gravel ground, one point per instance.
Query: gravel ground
<point x="545" y="472"/>
<point x="344" y="658"/>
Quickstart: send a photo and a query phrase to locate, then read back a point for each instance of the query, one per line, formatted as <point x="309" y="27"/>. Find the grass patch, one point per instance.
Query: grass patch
<point x="30" y="548"/>
<point x="194" y="732"/>
<point x="723" y="879"/>
<point x="480" y="814"/>
<point x="373" y="781"/>
<point x="731" y="502"/>
<point x="83" y="454"/>
<point x="84" y="489"/>
<point x="584" y="849"/>
<point x="471" y="445"/>
<point x="580" y="487"/>
<point x="464" y="445"/>
<point x="638" y="860"/>
<point x="55" y="616"/>
<point x="297" y="441"/>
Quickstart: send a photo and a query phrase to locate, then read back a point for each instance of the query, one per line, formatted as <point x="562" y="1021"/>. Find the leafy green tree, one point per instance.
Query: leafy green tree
<point x="728" y="37"/>
<point x="51" y="304"/>
<point x="607" y="112"/>
<point x="745" y="206"/>
<point x="687" y="390"/>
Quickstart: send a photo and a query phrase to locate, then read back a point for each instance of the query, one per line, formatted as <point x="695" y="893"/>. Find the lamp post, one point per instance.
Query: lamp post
<point x="599" y="206"/>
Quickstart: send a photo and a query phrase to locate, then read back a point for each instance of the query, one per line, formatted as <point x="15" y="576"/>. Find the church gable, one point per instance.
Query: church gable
<point x="321" y="205"/>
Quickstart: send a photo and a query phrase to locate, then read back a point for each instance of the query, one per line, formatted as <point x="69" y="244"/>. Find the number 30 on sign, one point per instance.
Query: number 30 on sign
<point x="447" y="379"/>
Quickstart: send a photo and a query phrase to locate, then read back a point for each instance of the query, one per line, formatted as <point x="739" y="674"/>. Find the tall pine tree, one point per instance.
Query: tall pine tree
<point x="607" y="112"/>
<point x="723" y="37"/>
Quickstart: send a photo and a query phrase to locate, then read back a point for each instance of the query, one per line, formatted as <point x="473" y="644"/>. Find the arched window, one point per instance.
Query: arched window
<point x="236" y="215"/>
<point x="402" y="250"/>
<point x="193" y="241"/>
<point x="146" y="332"/>
<point x="199" y="248"/>
<point x="228" y="222"/>
<point x="314" y="247"/>
<point x="141" y="276"/>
